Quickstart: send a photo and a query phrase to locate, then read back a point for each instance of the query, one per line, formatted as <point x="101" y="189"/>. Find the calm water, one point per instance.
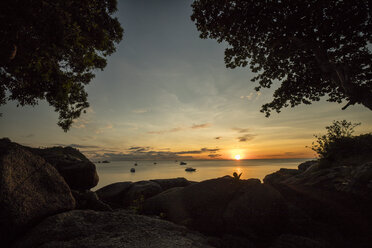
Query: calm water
<point x="119" y="171"/>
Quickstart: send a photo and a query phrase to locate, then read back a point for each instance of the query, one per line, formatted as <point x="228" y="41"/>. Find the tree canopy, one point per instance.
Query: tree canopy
<point x="313" y="48"/>
<point x="50" y="49"/>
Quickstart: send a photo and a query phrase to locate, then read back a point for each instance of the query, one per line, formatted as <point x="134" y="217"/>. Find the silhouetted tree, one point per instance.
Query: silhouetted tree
<point x="313" y="48"/>
<point x="49" y="49"/>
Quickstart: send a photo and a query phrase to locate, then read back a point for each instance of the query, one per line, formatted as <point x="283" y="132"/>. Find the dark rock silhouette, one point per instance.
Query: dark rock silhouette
<point x="113" y="194"/>
<point x="86" y="228"/>
<point x="123" y="194"/>
<point x="223" y="205"/>
<point x="86" y="199"/>
<point x="76" y="169"/>
<point x="171" y="183"/>
<point x="30" y="190"/>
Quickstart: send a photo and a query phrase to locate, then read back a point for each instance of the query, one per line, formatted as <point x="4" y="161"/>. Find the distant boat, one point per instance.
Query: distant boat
<point x="183" y="163"/>
<point x="155" y="163"/>
<point x="190" y="169"/>
<point x="132" y="170"/>
<point x="105" y="161"/>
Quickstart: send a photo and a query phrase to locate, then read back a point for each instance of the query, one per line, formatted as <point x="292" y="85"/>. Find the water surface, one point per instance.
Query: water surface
<point x="119" y="171"/>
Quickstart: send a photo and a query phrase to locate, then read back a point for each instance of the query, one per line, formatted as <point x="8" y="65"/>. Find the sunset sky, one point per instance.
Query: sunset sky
<point x="166" y="94"/>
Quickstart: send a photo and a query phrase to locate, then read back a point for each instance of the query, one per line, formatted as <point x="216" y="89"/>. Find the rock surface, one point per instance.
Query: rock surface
<point x="293" y="241"/>
<point x="86" y="199"/>
<point x="75" y="168"/>
<point x="222" y="205"/>
<point x="113" y="194"/>
<point x="331" y="203"/>
<point x="172" y="183"/>
<point x="85" y="228"/>
<point x="139" y="191"/>
<point x="30" y="189"/>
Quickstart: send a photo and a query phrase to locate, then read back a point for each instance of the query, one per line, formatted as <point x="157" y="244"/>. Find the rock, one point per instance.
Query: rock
<point x="75" y="168"/>
<point x="280" y="175"/>
<point x="361" y="180"/>
<point x="233" y="241"/>
<point x="139" y="191"/>
<point x="86" y="228"/>
<point x="305" y="165"/>
<point x="113" y="194"/>
<point x="171" y="183"/>
<point x="30" y="189"/>
<point x="222" y="205"/>
<point x="168" y="203"/>
<point x="87" y="199"/>
<point x="258" y="212"/>
<point x="199" y="206"/>
<point x="293" y="241"/>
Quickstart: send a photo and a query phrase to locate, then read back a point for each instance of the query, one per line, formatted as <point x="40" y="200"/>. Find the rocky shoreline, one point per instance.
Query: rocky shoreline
<point x="46" y="201"/>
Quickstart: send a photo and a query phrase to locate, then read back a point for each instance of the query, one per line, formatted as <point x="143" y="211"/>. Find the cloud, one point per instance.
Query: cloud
<point x="285" y="154"/>
<point x="82" y="146"/>
<point x="252" y="96"/>
<point x="210" y="150"/>
<point x="241" y="130"/>
<point x="145" y="153"/>
<point x="139" y="148"/>
<point x="80" y="123"/>
<point x="139" y="111"/>
<point x="78" y="146"/>
<point x="177" y="129"/>
<point x="214" y="155"/>
<point x="197" y="126"/>
<point x="246" y="137"/>
<point x="106" y="127"/>
<point x="202" y="150"/>
<point x="28" y="136"/>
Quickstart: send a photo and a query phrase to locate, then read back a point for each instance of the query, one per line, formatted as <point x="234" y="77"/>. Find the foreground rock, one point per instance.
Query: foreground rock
<point x="86" y="199"/>
<point x="172" y="183"/>
<point x="113" y="194"/>
<point x="125" y="194"/>
<point x="75" y="168"/>
<point x="223" y="205"/>
<point x="355" y="180"/>
<point x="108" y="230"/>
<point x="331" y="203"/>
<point x="30" y="189"/>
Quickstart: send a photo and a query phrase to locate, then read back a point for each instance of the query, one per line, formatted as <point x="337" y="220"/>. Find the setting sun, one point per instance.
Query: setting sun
<point x="237" y="157"/>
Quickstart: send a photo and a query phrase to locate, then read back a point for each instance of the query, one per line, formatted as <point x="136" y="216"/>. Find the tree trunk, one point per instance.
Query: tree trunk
<point x="340" y="76"/>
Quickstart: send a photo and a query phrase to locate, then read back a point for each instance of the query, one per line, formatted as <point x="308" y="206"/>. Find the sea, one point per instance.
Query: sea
<point x="120" y="171"/>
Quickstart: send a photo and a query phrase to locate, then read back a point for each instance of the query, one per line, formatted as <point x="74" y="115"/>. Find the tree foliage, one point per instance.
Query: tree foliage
<point x="313" y="48"/>
<point x="50" y="49"/>
<point x="336" y="132"/>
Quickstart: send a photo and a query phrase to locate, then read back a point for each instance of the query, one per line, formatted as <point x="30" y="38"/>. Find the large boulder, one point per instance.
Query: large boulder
<point x="199" y="206"/>
<point x="171" y="183"/>
<point x="258" y="211"/>
<point x="305" y="165"/>
<point x="85" y="228"/>
<point x="223" y="205"/>
<point x="293" y="241"/>
<point x="113" y="194"/>
<point x="86" y="199"/>
<point x="139" y="191"/>
<point x="30" y="189"/>
<point x="280" y="175"/>
<point x="75" y="168"/>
